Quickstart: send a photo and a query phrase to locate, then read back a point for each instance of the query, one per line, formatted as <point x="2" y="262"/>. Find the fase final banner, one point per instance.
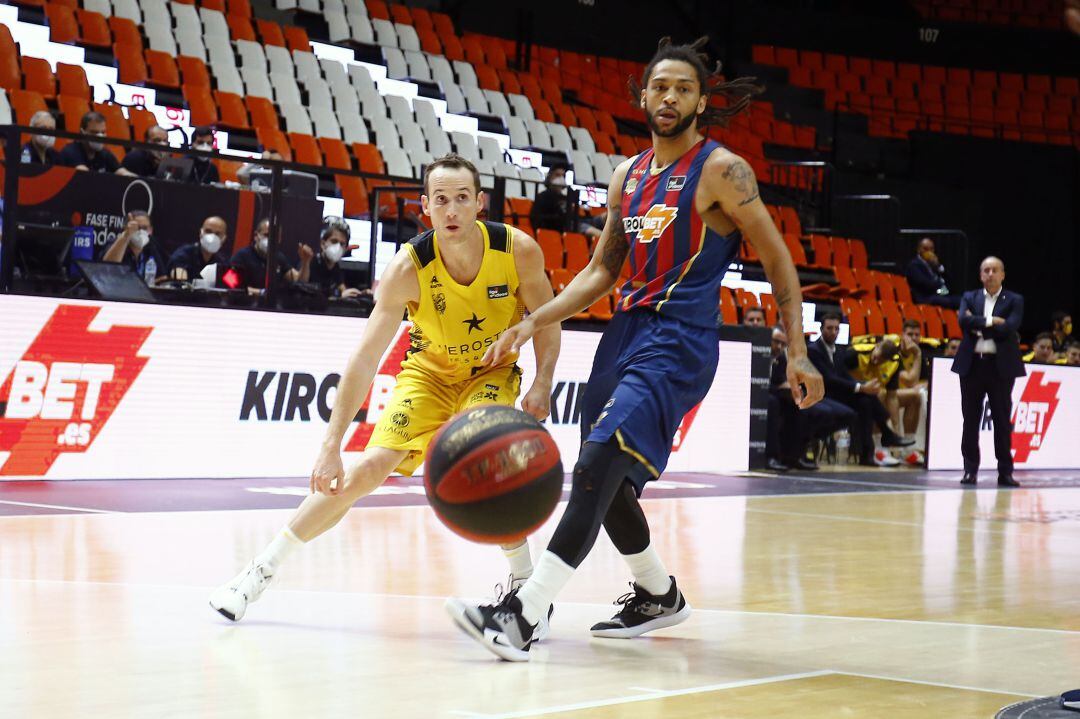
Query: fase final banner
<point x="94" y="390"/>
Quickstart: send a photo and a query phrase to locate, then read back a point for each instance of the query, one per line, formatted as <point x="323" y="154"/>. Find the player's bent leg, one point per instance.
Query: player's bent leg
<point x="316" y="514"/>
<point x="508" y="627"/>
<point x="654" y="601"/>
<point x="319" y="512"/>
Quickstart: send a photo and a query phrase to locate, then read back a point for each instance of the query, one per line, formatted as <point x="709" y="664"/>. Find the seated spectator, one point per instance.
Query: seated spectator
<point x="926" y="277"/>
<point x="1042" y="350"/>
<point x="91" y="155"/>
<point x="860" y="395"/>
<point x="326" y="270"/>
<point x="204" y="171"/>
<point x="188" y="262"/>
<point x="1061" y="331"/>
<point x="553" y="208"/>
<point x="244" y="173"/>
<point x="755" y="317"/>
<point x="912" y="395"/>
<point x="1072" y="354"/>
<point x="144" y="163"/>
<point x="791" y="430"/>
<point x="136" y="248"/>
<point x="951" y="347"/>
<point x="550" y="209"/>
<point x="39" y="151"/>
<point x="250" y="261"/>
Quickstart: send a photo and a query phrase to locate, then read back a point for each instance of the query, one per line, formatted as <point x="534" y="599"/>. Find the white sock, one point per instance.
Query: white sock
<point x="521" y="566"/>
<point x="278" y="550"/>
<point x="548" y="579"/>
<point x="649" y="572"/>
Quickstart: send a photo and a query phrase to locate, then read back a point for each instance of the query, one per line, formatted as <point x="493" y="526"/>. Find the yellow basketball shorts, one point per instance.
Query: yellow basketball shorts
<point x="420" y="405"/>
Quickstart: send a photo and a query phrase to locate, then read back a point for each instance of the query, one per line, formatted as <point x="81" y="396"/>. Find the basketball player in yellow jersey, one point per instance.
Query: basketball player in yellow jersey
<point x="463" y="284"/>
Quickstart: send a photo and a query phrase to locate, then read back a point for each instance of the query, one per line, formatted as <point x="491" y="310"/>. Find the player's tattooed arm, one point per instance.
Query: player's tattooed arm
<point x="742" y="179"/>
<point x="617" y="246"/>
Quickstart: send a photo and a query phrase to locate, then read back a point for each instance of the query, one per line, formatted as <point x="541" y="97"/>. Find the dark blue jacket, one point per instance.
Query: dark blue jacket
<point x="923" y="279"/>
<point x="1010" y="307"/>
<point x="839" y="385"/>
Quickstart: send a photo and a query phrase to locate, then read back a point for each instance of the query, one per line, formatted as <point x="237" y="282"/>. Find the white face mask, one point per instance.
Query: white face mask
<point x="96" y="146"/>
<point x="205" y="146"/>
<point x="139" y="239"/>
<point x="210" y="242"/>
<point x="333" y="252"/>
<point x="262" y="244"/>
<point x="44" y="141"/>
<point x="558" y="183"/>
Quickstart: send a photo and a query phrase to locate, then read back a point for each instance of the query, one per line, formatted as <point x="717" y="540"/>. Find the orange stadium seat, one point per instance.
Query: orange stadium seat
<point x="163" y="70"/>
<point x="94" y="29"/>
<point x="577" y="251"/>
<point x="140" y="120"/>
<point x="72" y="109"/>
<point x="131" y="65"/>
<point x="38" y="76"/>
<point x="875" y="320"/>
<point x="368" y="158"/>
<point x="125" y="32"/>
<point x="72" y="81"/>
<point x="262" y="113"/>
<point x="240" y="28"/>
<point x="274" y="139"/>
<point x="354" y="193"/>
<point x="231" y="111"/>
<point x="551" y="245"/>
<point x="270" y="32"/>
<point x="201" y="104"/>
<point x="728" y="311"/>
<point x="24" y="103"/>
<point x="305" y="149"/>
<point x="335" y="152"/>
<point x="296" y="38"/>
<point x="193" y="71"/>
<point x="601" y="309"/>
<point x="62" y="25"/>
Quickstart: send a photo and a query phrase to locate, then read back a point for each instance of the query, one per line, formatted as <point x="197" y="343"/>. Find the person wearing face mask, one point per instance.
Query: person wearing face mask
<point x="144" y="163"/>
<point x="551" y="208"/>
<point x="926" y="277"/>
<point x="326" y="271"/>
<point x="39" y="151"/>
<point x="136" y="248"/>
<point x="250" y="261"/>
<point x="92" y="155"/>
<point x="188" y="262"/>
<point x="204" y="171"/>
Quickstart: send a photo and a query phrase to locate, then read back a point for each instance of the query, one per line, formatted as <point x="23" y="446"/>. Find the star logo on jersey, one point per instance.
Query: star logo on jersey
<point x="474" y="323"/>
<point x="652" y="224"/>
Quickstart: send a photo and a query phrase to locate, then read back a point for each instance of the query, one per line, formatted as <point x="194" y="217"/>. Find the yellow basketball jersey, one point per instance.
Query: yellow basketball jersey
<point x="453" y="324"/>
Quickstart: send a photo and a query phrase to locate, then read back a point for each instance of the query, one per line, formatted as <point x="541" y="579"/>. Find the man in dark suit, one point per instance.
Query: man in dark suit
<point x="862" y="397"/>
<point x="926" y="278"/>
<point x="988" y="362"/>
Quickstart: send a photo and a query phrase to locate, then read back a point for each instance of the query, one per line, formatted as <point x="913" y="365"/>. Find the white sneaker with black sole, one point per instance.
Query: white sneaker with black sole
<point x="500" y="627"/>
<point x="543" y="628"/>
<point x="643" y="612"/>
<point x="231" y="600"/>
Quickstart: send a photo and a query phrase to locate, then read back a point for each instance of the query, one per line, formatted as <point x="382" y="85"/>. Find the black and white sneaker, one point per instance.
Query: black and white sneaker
<point x="543" y="627"/>
<point x="643" y="612"/>
<point x="499" y="627"/>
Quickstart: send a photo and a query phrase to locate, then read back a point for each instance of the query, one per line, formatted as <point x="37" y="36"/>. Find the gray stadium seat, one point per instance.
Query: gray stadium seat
<point x="466" y="75"/>
<point x="396" y="67"/>
<point x="385" y="34"/>
<point x="475" y="100"/>
<point x="407" y="37"/>
<point x="465" y="145"/>
<point x="521" y="106"/>
<point x="455" y="101"/>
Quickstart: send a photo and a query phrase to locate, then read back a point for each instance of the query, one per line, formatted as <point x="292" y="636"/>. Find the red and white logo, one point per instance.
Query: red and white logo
<point x="65" y="387"/>
<point x="1032" y="416"/>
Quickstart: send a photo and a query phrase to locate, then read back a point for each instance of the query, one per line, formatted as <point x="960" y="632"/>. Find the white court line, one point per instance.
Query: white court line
<point x="940" y="684"/>
<point x="53" y="506"/>
<point x="594" y="605"/>
<point x="862" y="483"/>
<point x="656" y="695"/>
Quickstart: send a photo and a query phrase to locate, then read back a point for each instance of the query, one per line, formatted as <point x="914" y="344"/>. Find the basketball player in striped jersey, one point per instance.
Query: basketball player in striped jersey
<point x="678" y="211"/>
<point x="463" y="284"/>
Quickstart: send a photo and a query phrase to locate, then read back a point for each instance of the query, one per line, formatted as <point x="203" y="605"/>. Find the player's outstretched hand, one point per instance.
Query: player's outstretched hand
<point x="537" y="400"/>
<point x="509" y="342"/>
<point x="328" y="477"/>
<point x="802" y="373"/>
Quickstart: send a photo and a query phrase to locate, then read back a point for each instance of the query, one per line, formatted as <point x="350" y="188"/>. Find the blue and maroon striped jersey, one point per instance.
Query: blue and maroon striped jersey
<point x="676" y="261"/>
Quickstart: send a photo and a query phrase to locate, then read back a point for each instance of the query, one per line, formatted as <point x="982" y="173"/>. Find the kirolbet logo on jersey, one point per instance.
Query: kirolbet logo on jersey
<point x="1032" y="415"/>
<point x="65" y="387"/>
<point x="652" y="224"/>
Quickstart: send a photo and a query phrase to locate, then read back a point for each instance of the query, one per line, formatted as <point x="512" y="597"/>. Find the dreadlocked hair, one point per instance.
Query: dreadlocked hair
<point x="738" y="92"/>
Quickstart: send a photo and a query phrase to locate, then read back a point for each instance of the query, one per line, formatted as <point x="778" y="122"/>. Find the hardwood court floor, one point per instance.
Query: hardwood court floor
<point x="920" y="603"/>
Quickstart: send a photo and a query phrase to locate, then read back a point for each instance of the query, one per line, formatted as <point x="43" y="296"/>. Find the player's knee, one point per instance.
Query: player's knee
<point x="363" y="478"/>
